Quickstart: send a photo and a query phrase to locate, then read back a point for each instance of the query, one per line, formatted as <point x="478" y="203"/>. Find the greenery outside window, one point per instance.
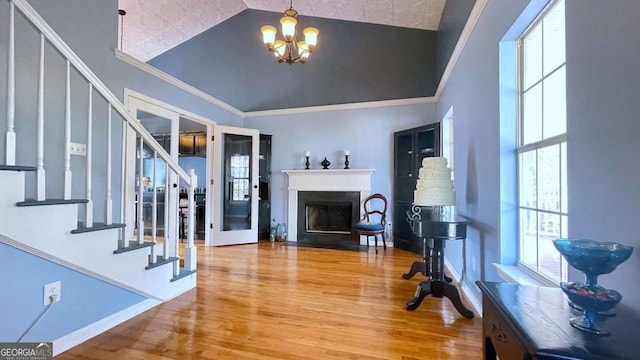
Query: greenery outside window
<point x="542" y="144"/>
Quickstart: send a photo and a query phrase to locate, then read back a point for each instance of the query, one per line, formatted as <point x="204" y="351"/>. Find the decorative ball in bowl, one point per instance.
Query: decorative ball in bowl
<point x="593" y="257"/>
<point x="591" y="297"/>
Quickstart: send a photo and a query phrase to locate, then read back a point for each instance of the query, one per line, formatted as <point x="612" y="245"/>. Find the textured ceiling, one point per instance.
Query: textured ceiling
<point x="152" y="27"/>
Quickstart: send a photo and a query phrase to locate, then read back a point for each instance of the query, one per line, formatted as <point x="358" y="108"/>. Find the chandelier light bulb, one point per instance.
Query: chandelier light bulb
<point x="311" y="37"/>
<point x="268" y="35"/>
<point x="303" y="50"/>
<point x="288" y="26"/>
<point x="280" y="47"/>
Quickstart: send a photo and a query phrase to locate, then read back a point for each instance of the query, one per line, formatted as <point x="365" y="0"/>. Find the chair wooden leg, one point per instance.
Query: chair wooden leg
<point x="384" y="241"/>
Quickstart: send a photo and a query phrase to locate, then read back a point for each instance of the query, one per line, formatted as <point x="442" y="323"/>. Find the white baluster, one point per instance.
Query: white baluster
<point x="165" y="249"/>
<point x="108" y="206"/>
<point x="140" y="193"/>
<point x="40" y="173"/>
<point x="10" y="139"/>
<point x="154" y="209"/>
<point x="123" y="188"/>
<point x="67" y="135"/>
<point x="190" y="257"/>
<point x="88" y="220"/>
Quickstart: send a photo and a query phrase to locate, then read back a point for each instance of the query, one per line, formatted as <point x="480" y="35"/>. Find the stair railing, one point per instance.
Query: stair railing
<point x="47" y="34"/>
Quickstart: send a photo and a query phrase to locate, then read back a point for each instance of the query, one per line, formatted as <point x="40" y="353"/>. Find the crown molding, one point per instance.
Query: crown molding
<point x="173" y="81"/>
<point x="350" y="106"/>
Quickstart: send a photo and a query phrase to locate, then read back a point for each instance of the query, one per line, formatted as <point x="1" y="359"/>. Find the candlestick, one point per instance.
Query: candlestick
<point x="306" y="163"/>
<point x="346" y="161"/>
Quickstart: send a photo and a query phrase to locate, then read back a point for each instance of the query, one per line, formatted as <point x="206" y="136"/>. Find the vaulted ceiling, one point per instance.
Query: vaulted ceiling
<point x="151" y="27"/>
<point x="368" y="50"/>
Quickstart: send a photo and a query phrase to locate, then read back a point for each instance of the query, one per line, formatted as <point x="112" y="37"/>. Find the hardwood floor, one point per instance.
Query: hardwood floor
<point x="270" y="301"/>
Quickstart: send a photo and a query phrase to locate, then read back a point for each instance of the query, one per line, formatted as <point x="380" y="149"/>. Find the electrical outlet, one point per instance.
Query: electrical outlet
<point x="52" y="289"/>
<point x="473" y="263"/>
<point x="78" y="149"/>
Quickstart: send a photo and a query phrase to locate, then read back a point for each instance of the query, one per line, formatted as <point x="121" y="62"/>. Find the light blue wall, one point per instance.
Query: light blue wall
<point x="473" y="91"/>
<point x="603" y="125"/>
<point x="602" y="129"/>
<point x="366" y="133"/>
<point x="84" y="300"/>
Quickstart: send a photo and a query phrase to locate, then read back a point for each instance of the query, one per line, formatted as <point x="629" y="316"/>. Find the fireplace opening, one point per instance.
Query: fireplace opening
<point x="327" y="216"/>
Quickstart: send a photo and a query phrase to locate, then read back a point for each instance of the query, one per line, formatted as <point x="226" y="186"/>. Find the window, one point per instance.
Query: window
<point x="447" y="139"/>
<point x="240" y="177"/>
<point x="542" y="144"/>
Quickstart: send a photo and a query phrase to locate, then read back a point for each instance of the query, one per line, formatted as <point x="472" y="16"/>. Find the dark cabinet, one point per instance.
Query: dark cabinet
<point x="410" y="147"/>
<point x="264" y="188"/>
<point x="193" y="144"/>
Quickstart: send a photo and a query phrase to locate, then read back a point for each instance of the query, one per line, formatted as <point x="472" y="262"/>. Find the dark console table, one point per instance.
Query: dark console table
<point x="433" y="230"/>
<point x="528" y="322"/>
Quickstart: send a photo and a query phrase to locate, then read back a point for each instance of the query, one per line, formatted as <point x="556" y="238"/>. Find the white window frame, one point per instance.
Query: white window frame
<point x="446" y="127"/>
<point x="559" y="140"/>
<point x="234" y="179"/>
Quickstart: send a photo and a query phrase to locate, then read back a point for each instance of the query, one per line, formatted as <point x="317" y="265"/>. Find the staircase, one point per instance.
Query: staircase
<point x="59" y="225"/>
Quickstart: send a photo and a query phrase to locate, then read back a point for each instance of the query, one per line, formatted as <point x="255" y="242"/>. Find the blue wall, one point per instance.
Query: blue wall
<point x="366" y="133"/>
<point x="84" y="300"/>
<point x="92" y="35"/>
<point x="603" y="83"/>
<point x="602" y="127"/>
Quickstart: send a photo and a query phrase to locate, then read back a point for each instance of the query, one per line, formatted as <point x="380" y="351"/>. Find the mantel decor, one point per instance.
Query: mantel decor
<point x="284" y="50"/>
<point x="325" y="163"/>
<point x="306" y="163"/>
<point x="346" y="159"/>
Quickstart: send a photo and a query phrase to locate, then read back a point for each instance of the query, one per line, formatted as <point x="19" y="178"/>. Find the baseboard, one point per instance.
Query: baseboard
<point x="463" y="284"/>
<point x="79" y="336"/>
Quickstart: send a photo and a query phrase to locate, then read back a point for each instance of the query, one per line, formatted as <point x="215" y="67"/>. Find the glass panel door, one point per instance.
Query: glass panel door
<point x="236" y="186"/>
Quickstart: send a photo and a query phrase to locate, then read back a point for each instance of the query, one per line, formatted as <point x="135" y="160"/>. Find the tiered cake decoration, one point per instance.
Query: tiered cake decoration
<point x="434" y="186"/>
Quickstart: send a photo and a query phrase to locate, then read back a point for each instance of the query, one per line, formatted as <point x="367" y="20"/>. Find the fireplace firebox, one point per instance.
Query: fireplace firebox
<point x="327" y="216"/>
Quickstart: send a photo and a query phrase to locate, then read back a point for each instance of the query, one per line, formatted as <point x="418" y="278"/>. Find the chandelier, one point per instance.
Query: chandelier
<point x="288" y="50"/>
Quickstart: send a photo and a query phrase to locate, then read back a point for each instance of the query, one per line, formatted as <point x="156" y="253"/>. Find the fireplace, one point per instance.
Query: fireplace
<point x="327" y="215"/>
<point x="339" y="190"/>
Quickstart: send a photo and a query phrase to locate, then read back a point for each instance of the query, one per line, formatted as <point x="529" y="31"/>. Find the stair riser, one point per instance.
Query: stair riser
<point x="46" y="231"/>
<point x="12" y="188"/>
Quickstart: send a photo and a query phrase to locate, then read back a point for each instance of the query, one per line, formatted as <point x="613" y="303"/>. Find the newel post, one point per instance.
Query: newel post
<point x="190" y="254"/>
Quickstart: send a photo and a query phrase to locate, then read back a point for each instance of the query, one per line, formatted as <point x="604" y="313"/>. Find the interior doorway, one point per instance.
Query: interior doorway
<point x="186" y="137"/>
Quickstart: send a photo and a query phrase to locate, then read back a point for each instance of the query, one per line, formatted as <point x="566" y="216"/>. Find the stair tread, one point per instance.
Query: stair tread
<point x="34" y="202"/>
<point x="183" y="273"/>
<point x="158" y="263"/>
<point x="96" y="227"/>
<point x="134" y="247"/>
<point x="17" y="168"/>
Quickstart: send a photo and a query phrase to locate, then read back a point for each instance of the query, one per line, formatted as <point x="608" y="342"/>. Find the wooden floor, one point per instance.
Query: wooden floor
<point x="270" y="301"/>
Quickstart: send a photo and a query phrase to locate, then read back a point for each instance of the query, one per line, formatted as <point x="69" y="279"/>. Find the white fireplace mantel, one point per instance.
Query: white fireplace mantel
<point x="323" y="180"/>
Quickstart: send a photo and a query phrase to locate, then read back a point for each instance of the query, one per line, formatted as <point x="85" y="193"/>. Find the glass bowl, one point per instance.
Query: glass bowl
<point x="593" y="257"/>
<point x="592" y="298"/>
